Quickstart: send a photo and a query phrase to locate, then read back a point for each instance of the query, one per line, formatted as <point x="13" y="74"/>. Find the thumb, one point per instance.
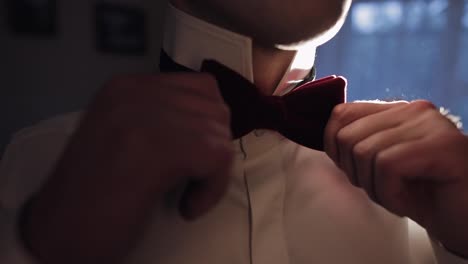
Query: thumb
<point x="208" y="182"/>
<point x="202" y="195"/>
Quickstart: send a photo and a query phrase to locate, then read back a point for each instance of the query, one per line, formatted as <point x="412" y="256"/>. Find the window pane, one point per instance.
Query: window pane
<point x="388" y="16"/>
<point x="465" y="17"/>
<point x="405" y="50"/>
<point x="461" y="78"/>
<point x="368" y="18"/>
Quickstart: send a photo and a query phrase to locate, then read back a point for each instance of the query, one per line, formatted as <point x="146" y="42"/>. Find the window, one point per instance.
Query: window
<point x="465" y="16"/>
<point x="403" y="50"/>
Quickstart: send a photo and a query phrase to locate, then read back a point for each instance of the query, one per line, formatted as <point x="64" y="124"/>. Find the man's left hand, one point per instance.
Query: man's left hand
<point x="410" y="159"/>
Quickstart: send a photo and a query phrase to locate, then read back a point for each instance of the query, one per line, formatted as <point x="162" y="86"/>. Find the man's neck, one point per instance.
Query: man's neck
<point x="269" y="66"/>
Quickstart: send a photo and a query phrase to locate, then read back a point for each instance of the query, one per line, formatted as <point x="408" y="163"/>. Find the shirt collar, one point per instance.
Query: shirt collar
<point x="189" y="40"/>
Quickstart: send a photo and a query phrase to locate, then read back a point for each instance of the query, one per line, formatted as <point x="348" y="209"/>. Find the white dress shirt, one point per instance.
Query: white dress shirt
<point x="286" y="204"/>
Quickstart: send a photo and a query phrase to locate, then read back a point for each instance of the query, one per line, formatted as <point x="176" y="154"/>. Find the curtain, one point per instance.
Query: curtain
<point x="403" y="49"/>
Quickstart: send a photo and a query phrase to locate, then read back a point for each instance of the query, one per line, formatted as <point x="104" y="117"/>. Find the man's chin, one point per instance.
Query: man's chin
<point x="308" y="40"/>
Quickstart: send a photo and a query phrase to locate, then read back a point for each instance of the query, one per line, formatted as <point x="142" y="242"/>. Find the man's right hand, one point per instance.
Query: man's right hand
<point x="143" y="137"/>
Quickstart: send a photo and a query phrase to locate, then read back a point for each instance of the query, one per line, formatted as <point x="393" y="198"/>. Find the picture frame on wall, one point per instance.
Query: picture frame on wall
<point x="32" y="17"/>
<point x="120" y="29"/>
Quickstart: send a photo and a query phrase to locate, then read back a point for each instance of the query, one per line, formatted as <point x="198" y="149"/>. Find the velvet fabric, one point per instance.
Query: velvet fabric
<point x="300" y="115"/>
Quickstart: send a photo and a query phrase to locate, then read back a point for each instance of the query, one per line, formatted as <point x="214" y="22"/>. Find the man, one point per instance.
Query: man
<point x="110" y="188"/>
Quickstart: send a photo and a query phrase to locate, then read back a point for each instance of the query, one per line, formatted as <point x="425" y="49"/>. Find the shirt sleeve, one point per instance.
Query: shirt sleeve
<point x="25" y="166"/>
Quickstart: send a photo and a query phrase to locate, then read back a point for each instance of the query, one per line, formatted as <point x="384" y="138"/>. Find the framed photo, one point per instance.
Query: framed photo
<point x="120" y="29"/>
<point x="32" y="17"/>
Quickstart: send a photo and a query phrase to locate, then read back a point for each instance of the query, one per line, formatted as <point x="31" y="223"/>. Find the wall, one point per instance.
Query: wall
<point x="42" y="77"/>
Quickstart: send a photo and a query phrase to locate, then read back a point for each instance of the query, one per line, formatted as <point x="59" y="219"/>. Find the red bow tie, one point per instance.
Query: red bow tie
<point x="300" y="115"/>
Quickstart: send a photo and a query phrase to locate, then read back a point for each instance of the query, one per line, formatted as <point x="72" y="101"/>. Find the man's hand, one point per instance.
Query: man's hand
<point x="143" y="137"/>
<point x="410" y="159"/>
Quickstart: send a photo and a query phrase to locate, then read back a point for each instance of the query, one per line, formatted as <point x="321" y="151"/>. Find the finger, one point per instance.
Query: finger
<point x="192" y="150"/>
<point x="361" y="129"/>
<point x="364" y="153"/>
<point x="343" y="115"/>
<point x="395" y="170"/>
<point x="160" y="85"/>
<point x="204" y="192"/>
<point x="406" y="123"/>
<point x="196" y="84"/>
<point x="400" y="114"/>
<point x="189" y="106"/>
<point x="200" y="196"/>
